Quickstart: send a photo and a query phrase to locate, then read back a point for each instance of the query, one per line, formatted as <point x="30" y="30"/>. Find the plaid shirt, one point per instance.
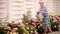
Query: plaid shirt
<point x="46" y="20"/>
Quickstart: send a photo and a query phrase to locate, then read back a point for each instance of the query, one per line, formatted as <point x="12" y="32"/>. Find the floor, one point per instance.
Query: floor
<point x="55" y="32"/>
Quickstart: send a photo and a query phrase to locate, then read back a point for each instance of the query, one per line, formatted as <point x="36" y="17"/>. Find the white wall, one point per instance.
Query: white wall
<point x="13" y="9"/>
<point x="55" y="7"/>
<point x="3" y="10"/>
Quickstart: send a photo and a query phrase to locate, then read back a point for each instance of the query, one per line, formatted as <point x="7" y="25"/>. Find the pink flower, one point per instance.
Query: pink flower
<point x="27" y="28"/>
<point x="24" y="33"/>
<point x="21" y="25"/>
<point x="59" y="27"/>
<point x="33" y="23"/>
<point x="54" y="20"/>
<point x="8" y="28"/>
<point x="35" y="20"/>
<point x="15" y="29"/>
<point x="27" y="23"/>
<point x="41" y="25"/>
<point x="36" y="32"/>
<point x="59" y="19"/>
<point x="24" y="15"/>
<point x="7" y="32"/>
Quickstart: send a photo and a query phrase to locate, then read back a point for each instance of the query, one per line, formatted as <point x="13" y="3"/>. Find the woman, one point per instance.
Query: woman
<point x="45" y="20"/>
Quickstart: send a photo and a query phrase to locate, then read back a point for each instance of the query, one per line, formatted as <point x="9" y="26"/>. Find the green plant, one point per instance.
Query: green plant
<point x="54" y="26"/>
<point x="13" y="25"/>
<point x="2" y="31"/>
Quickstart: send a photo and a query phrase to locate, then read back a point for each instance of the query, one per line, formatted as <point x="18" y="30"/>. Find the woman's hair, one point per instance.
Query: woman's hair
<point x="41" y="2"/>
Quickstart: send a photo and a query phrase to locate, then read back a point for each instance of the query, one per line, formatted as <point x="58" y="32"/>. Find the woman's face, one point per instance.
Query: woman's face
<point x="41" y="5"/>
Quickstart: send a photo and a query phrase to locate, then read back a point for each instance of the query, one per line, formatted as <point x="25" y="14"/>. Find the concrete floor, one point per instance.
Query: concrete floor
<point x="58" y="32"/>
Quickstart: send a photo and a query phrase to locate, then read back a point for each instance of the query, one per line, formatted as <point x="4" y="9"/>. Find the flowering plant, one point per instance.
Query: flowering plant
<point x="30" y="27"/>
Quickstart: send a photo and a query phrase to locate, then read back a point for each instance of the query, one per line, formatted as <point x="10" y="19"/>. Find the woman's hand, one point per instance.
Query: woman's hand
<point x="42" y="13"/>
